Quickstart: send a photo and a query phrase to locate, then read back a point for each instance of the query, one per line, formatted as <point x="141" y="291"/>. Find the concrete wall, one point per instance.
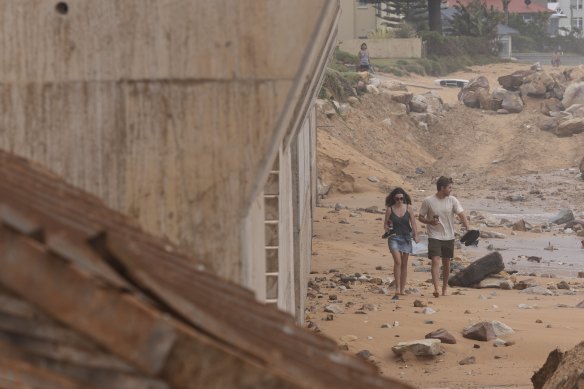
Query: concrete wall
<point x="304" y="189"/>
<point x="356" y="21"/>
<point x="171" y="111"/>
<point x="386" y="48"/>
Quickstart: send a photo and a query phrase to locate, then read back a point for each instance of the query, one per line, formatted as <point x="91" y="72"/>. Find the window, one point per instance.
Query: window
<point x="361" y="4"/>
<point x="577" y="23"/>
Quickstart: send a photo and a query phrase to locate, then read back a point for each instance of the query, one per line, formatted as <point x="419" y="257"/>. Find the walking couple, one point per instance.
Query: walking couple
<point x="437" y="212"/>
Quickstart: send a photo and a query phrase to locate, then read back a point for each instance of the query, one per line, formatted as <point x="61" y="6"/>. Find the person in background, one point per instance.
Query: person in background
<point x="400" y="224"/>
<point x="437" y="212"/>
<point x="363" y="58"/>
<point x="556" y="58"/>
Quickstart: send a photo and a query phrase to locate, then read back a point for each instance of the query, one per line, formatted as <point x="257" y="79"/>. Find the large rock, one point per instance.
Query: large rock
<point x="551" y="105"/>
<point x="469" y="98"/>
<point x="534" y="89"/>
<point x="574" y="73"/>
<point x="478" y="270"/>
<point x="565" y="215"/>
<point x="513" y="81"/>
<point x="419" y="104"/>
<point x="576" y="110"/>
<point x="574" y="94"/>
<point x="549" y="124"/>
<point x="482" y="331"/>
<point x="469" y="94"/>
<point x="501" y="329"/>
<point x="442" y="335"/>
<point x="582" y="167"/>
<point x="401" y="97"/>
<point x="561" y="370"/>
<point x="487" y="101"/>
<point x="512" y="102"/>
<point x="435" y="103"/>
<point x="570" y="127"/>
<point x="537" y="84"/>
<point x="422" y="347"/>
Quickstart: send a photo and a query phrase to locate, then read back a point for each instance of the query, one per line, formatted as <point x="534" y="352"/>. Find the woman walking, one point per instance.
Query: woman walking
<point x="363" y="58"/>
<point x="400" y="223"/>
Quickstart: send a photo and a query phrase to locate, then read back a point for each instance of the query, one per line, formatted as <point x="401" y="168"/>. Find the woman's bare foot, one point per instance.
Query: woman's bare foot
<point x="436" y="294"/>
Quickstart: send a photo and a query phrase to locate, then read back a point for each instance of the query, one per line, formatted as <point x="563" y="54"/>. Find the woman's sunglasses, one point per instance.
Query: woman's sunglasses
<point x="400" y="198"/>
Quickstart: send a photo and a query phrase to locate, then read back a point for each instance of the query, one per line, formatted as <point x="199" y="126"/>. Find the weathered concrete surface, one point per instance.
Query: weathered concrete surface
<point x="169" y="111"/>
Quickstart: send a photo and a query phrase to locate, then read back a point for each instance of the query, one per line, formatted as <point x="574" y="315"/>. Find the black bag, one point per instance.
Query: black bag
<point x="471" y="238"/>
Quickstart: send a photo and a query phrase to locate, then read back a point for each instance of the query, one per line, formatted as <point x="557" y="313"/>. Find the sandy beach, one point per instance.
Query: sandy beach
<point x="492" y="158"/>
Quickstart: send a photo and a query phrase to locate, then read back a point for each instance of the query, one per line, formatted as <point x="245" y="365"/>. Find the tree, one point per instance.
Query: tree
<point x="435" y="15"/>
<point x="476" y="20"/>
<point x="506" y="10"/>
<point x="419" y="13"/>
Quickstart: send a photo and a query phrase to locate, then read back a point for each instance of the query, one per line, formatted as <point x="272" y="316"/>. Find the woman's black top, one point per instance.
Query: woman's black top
<point x="401" y="225"/>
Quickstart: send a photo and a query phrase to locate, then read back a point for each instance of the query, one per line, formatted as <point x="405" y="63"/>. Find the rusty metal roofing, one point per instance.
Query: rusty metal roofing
<point x="88" y="300"/>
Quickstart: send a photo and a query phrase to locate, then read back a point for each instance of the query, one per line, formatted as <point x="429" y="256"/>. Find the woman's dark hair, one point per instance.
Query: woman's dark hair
<point x="390" y="199"/>
<point x="443" y="182"/>
<point x="363" y="44"/>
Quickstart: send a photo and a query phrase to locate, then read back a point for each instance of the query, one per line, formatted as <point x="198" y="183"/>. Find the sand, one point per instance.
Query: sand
<point x="491" y="157"/>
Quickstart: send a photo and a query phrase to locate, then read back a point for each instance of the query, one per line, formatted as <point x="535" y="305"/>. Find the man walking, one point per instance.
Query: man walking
<point x="437" y="212"/>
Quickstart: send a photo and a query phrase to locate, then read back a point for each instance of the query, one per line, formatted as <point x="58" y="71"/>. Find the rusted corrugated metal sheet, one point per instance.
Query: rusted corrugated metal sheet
<point x="89" y="300"/>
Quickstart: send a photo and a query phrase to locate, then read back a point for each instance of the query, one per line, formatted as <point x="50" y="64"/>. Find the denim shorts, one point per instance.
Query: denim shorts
<point x="402" y="243"/>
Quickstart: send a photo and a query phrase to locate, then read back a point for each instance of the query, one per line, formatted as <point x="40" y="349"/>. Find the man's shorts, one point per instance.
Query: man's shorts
<point x="440" y="248"/>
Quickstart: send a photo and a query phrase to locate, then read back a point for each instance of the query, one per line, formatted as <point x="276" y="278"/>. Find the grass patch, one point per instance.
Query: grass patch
<point x="433" y="65"/>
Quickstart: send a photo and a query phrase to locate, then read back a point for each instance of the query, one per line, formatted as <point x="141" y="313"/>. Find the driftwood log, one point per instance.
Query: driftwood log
<point x="478" y="270"/>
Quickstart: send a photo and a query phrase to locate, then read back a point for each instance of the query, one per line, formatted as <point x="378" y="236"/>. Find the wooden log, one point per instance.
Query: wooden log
<point x="478" y="270"/>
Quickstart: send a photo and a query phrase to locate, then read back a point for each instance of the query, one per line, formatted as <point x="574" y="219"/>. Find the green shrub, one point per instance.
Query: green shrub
<point x="405" y="30"/>
<point x="338" y="85"/>
<point x="415" y="68"/>
<point x="339" y="67"/>
<point x="344" y="57"/>
<point x="523" y="44"/>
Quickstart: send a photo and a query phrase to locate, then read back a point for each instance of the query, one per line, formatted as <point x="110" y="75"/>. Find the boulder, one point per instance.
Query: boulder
<point x="539" y="82"/>
<point x="512" y="102"/>
<point x="521" y="225"/>
<point x="393" y="85"/>
<point x="550" y="105"/>
<point x="469" y="94"/>
<point x="487" y="101"/>
<point x="549" y="124"/>
<point x="482" y="331"/>
<point x="419" y="104"/>
<point x="582" y="167"/>
<point x="402" y="97"/>
<point x="434" y="102"/>
<point x="574" y="73"/>
<point x="422" y="347"/>
<point x="501" y="329"/>
<point x="561" y="370"/>
<point x="513" y="81"/>
<point x="478" y="270"/>
<point x="570" y="127"/>
<point x="534" y="89"/>
<point x="574" y="94"/>
<point x="565" y="215"/>
<point x="442" y="335"/>
<point x="576" y="110"/>
<point x="469" y="98"/>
